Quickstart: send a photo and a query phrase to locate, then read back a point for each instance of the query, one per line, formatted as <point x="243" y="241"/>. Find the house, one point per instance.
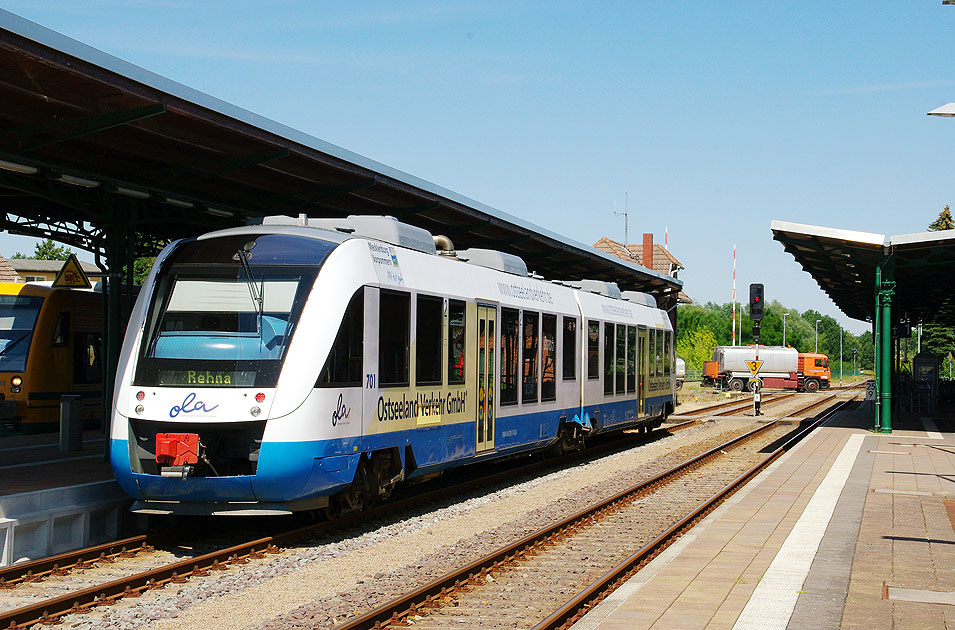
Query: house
<point x="649" y="254"/>
<point x="7" y="273"/>
<point x="30" y="270"/>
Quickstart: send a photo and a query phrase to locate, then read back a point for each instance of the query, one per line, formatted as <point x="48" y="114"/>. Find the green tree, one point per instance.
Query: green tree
<point x="47" y="250"/>
<point x="696" y="346"/>
<point x="141" y="268"/>
<point x="943" y="222"/>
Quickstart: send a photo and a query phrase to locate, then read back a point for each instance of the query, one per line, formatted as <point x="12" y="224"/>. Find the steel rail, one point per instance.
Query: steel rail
<point x="47" y="611"/>
<point x="574" y="608"/>
<point x="749" y="404"/>
<point x="743" y="404"/>
<point x="393" y="612"/>
<point x="60" y="564"/>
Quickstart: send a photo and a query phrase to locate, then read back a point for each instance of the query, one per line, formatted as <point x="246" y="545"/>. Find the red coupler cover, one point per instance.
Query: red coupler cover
<point x="176" y="449"/>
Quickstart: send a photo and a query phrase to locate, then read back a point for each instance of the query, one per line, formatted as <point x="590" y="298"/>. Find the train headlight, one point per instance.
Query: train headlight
<point x="140" y="409"/>
<point x="255" y="411"/>
<point x="16" y="381"/>
<point x="260" y="397"/>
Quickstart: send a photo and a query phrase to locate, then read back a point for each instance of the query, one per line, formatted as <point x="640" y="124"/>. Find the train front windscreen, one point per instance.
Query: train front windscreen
<point x="18" y="316"/>
<point x="224" y="310"/>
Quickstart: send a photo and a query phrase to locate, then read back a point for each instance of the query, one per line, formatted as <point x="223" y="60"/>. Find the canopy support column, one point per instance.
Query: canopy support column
<point x="885" y="293"/>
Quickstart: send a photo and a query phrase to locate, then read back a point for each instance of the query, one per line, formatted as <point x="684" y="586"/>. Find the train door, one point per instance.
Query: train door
<point x="486" y="358"/>
<point x="642" y="350"/>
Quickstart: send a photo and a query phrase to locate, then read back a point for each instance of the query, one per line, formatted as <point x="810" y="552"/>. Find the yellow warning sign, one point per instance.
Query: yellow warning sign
<point x="754" y="366"/>
<point x="71" y="276"/>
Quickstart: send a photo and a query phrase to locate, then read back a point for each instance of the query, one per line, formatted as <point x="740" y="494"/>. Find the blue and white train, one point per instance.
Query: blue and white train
<point x="316" y="363"/>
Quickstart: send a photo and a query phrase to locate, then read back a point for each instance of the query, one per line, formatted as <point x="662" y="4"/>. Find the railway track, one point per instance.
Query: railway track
<point x="734" y="406"/>
<point x="119" y="566"/>
<point x="551" y="577"/>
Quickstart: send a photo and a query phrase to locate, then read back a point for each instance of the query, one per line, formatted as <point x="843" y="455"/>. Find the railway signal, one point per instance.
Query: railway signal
<point x="756" y="302"/>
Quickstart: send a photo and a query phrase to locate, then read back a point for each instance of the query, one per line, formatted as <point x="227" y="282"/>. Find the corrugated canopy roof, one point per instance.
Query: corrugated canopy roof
<point x="179" y="162"/>
<point x="843" y="263"/>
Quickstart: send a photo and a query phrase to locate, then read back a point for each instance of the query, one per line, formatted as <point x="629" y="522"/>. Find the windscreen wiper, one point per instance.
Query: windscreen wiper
<point x="18" y="340"/>
<point x="254" y="291"/>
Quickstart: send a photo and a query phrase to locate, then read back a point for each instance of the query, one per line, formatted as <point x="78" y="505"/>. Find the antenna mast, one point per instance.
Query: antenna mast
<point x="625" y="217"/>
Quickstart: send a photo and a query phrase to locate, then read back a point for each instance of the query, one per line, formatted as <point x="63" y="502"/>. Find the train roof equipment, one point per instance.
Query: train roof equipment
<point x="493" y="259"/>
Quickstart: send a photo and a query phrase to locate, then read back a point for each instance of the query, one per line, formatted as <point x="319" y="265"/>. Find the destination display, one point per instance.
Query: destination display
<point x="208" y="378"/>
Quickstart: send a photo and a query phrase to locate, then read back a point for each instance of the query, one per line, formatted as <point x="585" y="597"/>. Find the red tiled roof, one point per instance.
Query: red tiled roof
<point x="7" y="273"/>
<point x="663" y="261"/>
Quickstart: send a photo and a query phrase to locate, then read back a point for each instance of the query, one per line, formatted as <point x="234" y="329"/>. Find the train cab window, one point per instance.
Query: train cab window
<point x="620" y="370"/>
<point x="608" y="358"/>
<point x="593" y="350"/>
<point x="531" y="334"/>
<point x="61" y="332"/>
<point x="456" y="337"/>
<point x="631" y="359"/>
<point x="394" y="332"/>
<point x="87" y="348"/>
<point x="510" y="347"/>
<point x="548" y="357"/>
<point x="428" y="331"/>
<point x="569" y="350"/>
<point x="343" y="367"/>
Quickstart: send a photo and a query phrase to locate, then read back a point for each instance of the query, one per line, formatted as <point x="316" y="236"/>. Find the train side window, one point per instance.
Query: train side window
<point x="510" y="346"/>
<point x="620" y="370"/>
<point x="428" y="329"/>
<point x="86" y="358"/>
<point x="343" y="367"/>
<point x="593" y="350"/>
<point x="570" y="348"/>
<point x="531" y="334"/>
<point x="608" y="358"/>
<point x="631" y="359"/>
<point x="651" y="351"/>
<point x="456" y="336"/>
<point x="666" y="353"/>
<point x="61" y="332"/>
<point x="548" y="357"/>
<point x="394" y="332"/>
<point x="659" y="354"/>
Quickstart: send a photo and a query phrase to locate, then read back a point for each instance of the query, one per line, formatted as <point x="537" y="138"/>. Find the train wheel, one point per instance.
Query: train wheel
<point x="571" y="438"/>
<point x="812" y="386"/>
<point x="736" y="384"/>
<point x="361" y="494"/>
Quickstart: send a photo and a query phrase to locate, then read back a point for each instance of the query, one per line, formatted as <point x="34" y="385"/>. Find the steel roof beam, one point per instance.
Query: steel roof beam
<point x="198" y="171"/>
<point x="64" y="130"/>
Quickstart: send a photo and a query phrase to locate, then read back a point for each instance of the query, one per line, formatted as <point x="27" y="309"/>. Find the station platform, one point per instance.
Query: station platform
<point x="850" y="529"/>
<point x="53" y="501"/>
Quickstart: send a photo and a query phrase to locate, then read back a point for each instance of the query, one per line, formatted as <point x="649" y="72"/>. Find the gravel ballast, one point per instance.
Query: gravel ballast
<point x="321" y="584"/>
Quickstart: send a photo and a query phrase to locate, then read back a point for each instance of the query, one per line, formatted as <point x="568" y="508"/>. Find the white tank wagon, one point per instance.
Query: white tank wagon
<point x="777" y="361"/>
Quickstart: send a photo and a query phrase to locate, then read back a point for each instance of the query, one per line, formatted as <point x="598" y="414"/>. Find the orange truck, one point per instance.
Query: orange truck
<point x="782" y="368"/>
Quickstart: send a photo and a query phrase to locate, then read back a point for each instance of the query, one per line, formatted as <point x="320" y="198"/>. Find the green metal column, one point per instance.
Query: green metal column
<point x="886" y="292"/>
<point x="877" y="342"/>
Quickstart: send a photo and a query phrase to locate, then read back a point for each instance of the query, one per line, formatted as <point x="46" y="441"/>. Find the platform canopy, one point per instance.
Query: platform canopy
<point x="89" y="143"/>
<point x="843" y="263"/>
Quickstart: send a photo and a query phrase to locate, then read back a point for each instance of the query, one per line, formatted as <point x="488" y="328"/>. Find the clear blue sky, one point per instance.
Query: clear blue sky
<point x="716" y="117"/>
